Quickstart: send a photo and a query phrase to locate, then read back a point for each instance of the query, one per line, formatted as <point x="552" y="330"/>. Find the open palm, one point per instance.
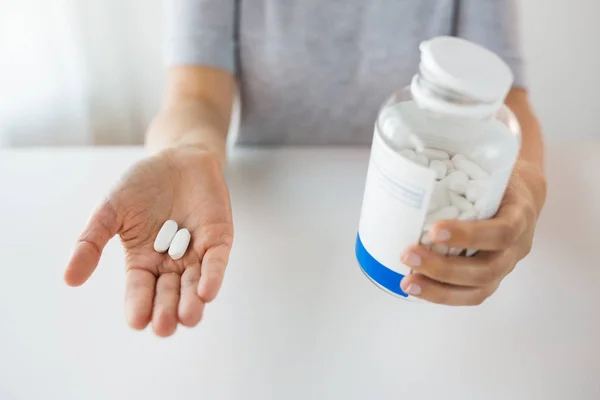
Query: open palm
<point x="185" y="185"/>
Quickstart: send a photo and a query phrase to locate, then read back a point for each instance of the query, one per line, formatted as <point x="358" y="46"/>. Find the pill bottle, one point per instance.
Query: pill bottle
<point x="443" y="148"/>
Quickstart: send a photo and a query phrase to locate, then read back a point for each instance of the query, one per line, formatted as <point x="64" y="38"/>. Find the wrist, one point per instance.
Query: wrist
<point x="535" y="180"/>
<point x="187" y="127"/>
<point x="207" y="148"/>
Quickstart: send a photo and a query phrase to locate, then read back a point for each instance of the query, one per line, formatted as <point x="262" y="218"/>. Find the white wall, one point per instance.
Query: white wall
<point x="122" y="45"/>
<point x="91" y="72"/>
<point x="561" y="39"/>
<point x="79" y="71"/>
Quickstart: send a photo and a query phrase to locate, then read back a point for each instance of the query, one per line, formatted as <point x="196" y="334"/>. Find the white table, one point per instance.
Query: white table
<point x="296" y="318"/>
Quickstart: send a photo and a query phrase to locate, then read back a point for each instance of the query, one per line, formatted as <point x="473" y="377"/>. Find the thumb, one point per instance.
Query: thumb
<point x="101" y="227"/>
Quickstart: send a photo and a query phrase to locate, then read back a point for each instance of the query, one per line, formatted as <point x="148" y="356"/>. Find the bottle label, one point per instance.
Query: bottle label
<point x="395" y="204"/>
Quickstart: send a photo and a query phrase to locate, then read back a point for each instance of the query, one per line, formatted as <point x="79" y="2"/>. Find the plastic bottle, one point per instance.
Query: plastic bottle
<point x="454" y="105"/>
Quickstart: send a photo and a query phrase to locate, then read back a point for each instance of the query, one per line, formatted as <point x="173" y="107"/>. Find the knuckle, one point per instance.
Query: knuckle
<point x="217" y="234"/>
<point x="529" y="214"/>
<point x="488" y="273"/>
<point x="527" y="247"/>
<point x="470" y="235"/>
<point x="441" y="297"/>
<point x="438" y="268"/>
<point x="482" y="295"/>
<point x="217" y="274"/>
<point x="505" y="234"/>
<point x="216" y="260"/>
<point x="478" y="300"/>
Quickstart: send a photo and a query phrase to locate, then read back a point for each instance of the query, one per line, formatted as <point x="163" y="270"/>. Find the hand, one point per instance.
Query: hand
<point x="182" y="184"/>
<point x="503" y="240"/>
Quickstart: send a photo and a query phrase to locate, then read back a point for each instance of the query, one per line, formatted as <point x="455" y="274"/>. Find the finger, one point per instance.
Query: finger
<point x="166" y="300"/>
<point x="481" y="270"/>
<point x="102" y="226"/>
<point x="441" y="293"/>
<point x="139" y="296"/>
<point x="214" y="263"/>
<point x="498" y="233"/>
<point x="191" y="306"/>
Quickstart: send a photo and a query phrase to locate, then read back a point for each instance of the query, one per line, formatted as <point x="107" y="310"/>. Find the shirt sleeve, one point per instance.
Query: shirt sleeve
<point x="201" y="32"/>
<point x="495" y="25"/>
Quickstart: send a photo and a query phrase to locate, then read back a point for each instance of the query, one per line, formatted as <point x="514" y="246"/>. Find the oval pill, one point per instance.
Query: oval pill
<point x="449" y="165"/>
<point x="473" y="170"/>
<point x="446" y="213"/>
<point x="480" y="205"/>
<point x="434" y="154"/>
<point x="468" y="216"/>
<point x="421" y="159"/>
<point x="471" y="252"/>
<point x="441" y="249"/>
<point x="474" y="194"/>
<point x="460" y="202"/>
<point x="455" y="251"/>
<point x="482" y="184"/>
<point x="440" y="169"/>
<point x="165" y="236"/>
<point x="458" y="157"/>
<point x="408" y="153"/>
<point x="457" y="176"/>
<point x="425" y="240"/>
<point x="439" y="197"/>
<point x="179" y="244"/>
<point x="457" y="182"/>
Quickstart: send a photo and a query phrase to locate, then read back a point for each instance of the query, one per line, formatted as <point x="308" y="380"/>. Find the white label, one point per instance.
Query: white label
<point x="396" y="198"/>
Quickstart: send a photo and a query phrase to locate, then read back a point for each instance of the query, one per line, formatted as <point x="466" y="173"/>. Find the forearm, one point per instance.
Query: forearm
<point x="196" y="111"/>
<point x="532" y="146"/>
<point x="531" y="155"/>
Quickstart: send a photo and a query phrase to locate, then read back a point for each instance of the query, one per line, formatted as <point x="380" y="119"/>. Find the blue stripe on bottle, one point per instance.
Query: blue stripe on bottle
<point x="377" y="271"/>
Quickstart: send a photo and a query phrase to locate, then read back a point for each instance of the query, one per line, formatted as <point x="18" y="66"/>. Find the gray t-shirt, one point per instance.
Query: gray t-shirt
<point x="315" y="72"/>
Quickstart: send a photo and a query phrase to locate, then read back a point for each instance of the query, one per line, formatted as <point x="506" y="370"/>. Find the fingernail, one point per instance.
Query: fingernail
<point x="442" y="235"/>
<point x="411" y="259"/>
<point x="413" y="289"/>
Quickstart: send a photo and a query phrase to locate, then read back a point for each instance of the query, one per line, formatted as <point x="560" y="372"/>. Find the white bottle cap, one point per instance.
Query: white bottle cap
<point x="466" y="69"/>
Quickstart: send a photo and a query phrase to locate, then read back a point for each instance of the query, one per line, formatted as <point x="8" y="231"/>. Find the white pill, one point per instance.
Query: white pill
<point x="468" y="216"/>
<point x="457" y="182"/>
<point x="477" y="189"/>
<point x="446" y="213"/>
<point x="481" y="184"/>
<point x="439" y="168"/>
<point x="458" y="157"/>
<point x="421" y="159"/>
<point x="165" y="236"/>
<point x="179" y="244"/>
<point x="480" y="205"/>
<point x="439" y="197"/>
<point x="425" y="240"/>
<point x="455" y="251"/>
<point x="434" y="154"/>
<point x="460" y="202"/>
<point x="449" y="165"/>
<point x="408" y="153"/>
<point x="441" y="249"/>
<point x="456" y="176"/>
<point x="473" y="170"/>
<point x="471" y="252"/>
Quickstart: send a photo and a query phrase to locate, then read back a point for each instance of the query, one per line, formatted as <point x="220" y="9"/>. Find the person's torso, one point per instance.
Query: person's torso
<point x="315" y="72"/>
